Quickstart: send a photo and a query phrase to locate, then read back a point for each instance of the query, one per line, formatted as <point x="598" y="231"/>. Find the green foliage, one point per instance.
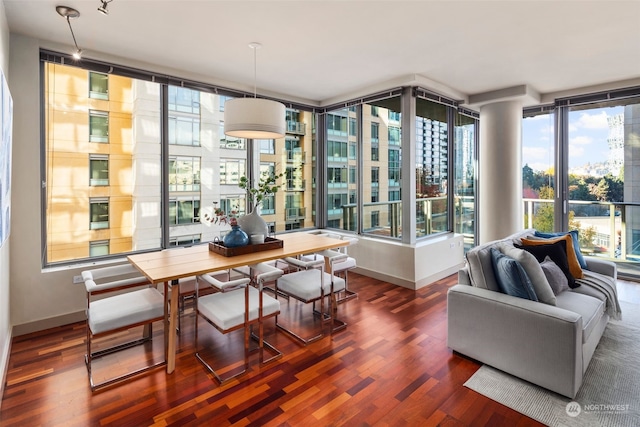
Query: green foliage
<point x="267" y="185"/>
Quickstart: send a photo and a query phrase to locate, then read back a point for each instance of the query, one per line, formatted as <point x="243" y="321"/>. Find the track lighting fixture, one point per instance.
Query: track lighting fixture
<point x="68" y="13"/>
<point x="103" y="8"/>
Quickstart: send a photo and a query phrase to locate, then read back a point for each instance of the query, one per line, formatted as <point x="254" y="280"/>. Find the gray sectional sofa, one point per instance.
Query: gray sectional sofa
<point x="545" y="344"/>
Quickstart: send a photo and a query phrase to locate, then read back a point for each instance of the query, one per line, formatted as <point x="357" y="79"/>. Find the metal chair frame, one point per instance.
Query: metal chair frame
<point x="263" y="274"/>
<point x="132" y="280"/>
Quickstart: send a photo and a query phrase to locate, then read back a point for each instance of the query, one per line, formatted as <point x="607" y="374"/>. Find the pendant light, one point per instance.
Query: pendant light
<point x="70" y="13"/>
<point x="254" y="118"/>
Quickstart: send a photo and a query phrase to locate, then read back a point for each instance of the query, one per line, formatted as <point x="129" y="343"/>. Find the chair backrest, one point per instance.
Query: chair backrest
<point x="111" y="278"/>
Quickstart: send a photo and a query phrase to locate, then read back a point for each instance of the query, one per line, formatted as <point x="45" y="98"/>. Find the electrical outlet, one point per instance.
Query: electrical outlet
<point x="77" y="279"/>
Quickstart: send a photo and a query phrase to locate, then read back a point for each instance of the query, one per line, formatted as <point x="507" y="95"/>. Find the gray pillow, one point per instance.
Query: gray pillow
<point x="534" y="271"/>
<point x="511" y="277"/>
<point x="556" y="278"/>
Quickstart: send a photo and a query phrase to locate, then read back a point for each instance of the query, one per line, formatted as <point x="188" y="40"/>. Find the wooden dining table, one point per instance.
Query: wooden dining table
<point x="168" y="266"/>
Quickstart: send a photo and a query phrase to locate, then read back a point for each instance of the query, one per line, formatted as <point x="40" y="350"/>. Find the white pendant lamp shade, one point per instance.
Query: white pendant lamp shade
<point x="254" y="118"/>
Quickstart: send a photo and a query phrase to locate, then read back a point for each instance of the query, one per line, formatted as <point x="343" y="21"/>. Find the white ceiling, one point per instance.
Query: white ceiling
<point x="322" y="51"/>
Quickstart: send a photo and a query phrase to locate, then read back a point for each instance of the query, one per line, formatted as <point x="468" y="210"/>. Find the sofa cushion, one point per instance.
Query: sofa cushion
<point x="556" y="278"/>
<point x="591" y="309"/>
<point x="574" y="265"/>
<point x="574" y="237"/>
<point x="533" y="269"/>
<point x="557" y="252"/>
<point x="511" y="277"/>
<point x="479" y="261"/>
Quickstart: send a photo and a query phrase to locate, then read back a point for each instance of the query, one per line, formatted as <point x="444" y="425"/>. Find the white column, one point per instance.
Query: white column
<point x="500" y="170"/>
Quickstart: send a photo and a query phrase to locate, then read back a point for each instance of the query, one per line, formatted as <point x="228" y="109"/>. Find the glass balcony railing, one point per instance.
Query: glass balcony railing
<point x="606" y="230"/>
<point x="297" y="128"/>
<point x="295" y="213"/>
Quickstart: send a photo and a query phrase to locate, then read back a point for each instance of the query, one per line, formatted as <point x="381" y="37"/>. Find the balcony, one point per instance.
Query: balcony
<point x="607" y="230"/>
<point x="295" y="213"/>
<point x="296" y="128"/>
<point x="296" y="156"/>
<point x="296" y="184"/>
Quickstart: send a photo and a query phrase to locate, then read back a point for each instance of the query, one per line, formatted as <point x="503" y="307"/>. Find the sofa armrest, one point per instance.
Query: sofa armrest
<point x="537" y="342"/>
<point x="601" y="266"/>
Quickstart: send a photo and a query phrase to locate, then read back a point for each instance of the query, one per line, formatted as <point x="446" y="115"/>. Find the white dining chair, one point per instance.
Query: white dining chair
<point x="238" y="305"/>
<point x="118" y="299"/>
<point x="311" y="284"/>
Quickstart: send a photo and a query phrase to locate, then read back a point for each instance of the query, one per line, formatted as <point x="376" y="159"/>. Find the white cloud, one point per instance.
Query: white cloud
<point x="534" y="153"/>
<point x="593" y="121"/>
<point x="579" y="140"/>
<point x="576" y="150"/>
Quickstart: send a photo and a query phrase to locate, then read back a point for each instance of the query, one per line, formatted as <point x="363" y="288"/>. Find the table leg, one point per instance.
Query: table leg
<point x="173" y="317"/>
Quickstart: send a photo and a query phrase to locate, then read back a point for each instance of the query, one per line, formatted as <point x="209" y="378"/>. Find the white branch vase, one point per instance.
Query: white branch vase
<point x="253" y="223"/>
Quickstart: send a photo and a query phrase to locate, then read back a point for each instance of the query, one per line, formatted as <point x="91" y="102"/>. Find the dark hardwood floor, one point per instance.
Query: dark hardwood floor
<point x="390" y="367"/>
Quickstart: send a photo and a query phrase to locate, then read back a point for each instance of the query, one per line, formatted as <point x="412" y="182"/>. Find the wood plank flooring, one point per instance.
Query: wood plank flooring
<point x="390" y="367"/>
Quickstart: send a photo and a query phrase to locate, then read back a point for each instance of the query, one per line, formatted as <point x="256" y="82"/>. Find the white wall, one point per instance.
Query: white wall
<point x="5" y="320"/>
<point x="39" y="299"/>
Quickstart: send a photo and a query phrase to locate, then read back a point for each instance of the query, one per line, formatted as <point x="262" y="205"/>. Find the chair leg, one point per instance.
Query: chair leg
<point x="347" y="294"/>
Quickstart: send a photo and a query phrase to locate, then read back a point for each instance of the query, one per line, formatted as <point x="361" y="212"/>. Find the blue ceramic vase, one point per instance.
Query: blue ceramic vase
<point x="235" y="238"/>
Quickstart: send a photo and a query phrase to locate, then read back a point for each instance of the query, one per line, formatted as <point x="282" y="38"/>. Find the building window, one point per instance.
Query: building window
<point x="184" y="131"/>
<point x="184" y="100"/>
<point x="353" y="128"/>
<point x="394" y="135"/>
<point x="394" y="167"/>
<point x="184" y="211"/>
<point x="375" y="176"/>
<point x="235" y="203"/>
<point x="352" y="175"/>
<point x="98" y="170"/>
<point x="374" y="111"/>
<point x="352" y="151"/>
<point x="337" y="151"/>
<point x="186" y="240"/>
<point x="375" y="133"/>
<point x="375" y="153"/>
<point x="267" y="146"/>
<point x="98" y="86"/>
<point x="336" y="125"/>
<point x="375" y="196"/>
<point x="184" y="173"/>
<point x="375" y="219"/>
<point x="231" y="170"/>
<point x="337" y="177"/>
<point x="98" y="126"/>
<point x="98" y="248"/>
<point x="394" y="195"/>
<point x="99" y="214"/>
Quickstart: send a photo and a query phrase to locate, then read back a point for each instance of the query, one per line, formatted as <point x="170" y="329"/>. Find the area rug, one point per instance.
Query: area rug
<point x="610" y="393"/>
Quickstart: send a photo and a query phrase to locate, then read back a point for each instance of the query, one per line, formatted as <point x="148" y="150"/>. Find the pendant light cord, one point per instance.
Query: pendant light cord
<point x="255" y="72"/>
<point x="72" y="35"/>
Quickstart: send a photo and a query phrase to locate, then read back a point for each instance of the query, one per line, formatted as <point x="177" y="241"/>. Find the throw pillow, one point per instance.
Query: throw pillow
<point x="574" y="265"/>
<point x="532" y="267"/>
<point x="558" y="253"/>
<point x="574" y="237"/>
<point x="557" y="280"/>
<point x="511" y="277"/>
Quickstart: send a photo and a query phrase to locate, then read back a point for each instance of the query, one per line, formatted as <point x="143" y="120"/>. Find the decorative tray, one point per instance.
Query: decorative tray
<point x="269" y="243"/>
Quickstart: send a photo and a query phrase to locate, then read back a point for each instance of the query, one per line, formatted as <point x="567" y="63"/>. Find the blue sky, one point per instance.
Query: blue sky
<point x="588" y="133"/>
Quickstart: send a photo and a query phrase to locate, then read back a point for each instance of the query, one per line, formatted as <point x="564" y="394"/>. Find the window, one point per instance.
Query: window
<point x="98" y="170"/>
<point x="184" y="174"/>
<point x="375" y="132"/>
<point x="375" y="196"/>
<point x="184" y="130"/>
<point x="375" y="176"/>
<point x="267" y="146"/>
<point x="98" y="126"/>
<point x="233" y="203"/>
<point x="99" y="214"/>
<point x="394" y="167"/>
<point x="336" y="125"/>
<point x="352" y="175"/>
<point x="184" y="100"/>
<point x="394" y="135"/>
<point x="374" y="111"/>
<point x="394" y="195"/>
<point x="337" y="177"/>
<point x="184" y="211"/>
<point x="375" y="219"/>
<point x="337" y="151"/>
<point x="98" y="86"/>
<point x="352" y="151"/>
<point x="186" y="240"/>
<point x="98" y="248"/>
<point x="465" y="131"/>
<point x="353" y="128"/>
<point x="231" y="170"/>
<point x="375" y="153"/>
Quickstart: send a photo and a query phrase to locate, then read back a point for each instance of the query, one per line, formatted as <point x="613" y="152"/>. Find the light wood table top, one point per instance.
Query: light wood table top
<point x="172" y="264"/>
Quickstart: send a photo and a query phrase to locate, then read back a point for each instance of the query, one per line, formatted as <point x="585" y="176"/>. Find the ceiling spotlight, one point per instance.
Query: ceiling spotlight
<point x="103" y="8"/>
<point x="68" y="13"/>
